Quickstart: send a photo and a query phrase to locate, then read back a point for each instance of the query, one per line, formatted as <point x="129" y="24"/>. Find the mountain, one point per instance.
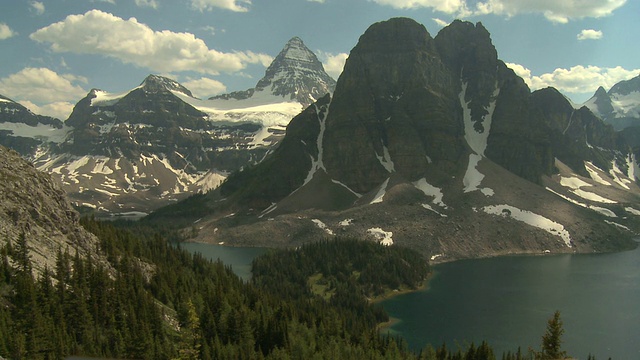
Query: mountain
<point x="620" y="106"/>
<point x="33" y="206"/>
<point x="132" y="152"/>
<point x="26" y="132"/>
<point x="296" y="74"/>
<point x="435" y="144"/>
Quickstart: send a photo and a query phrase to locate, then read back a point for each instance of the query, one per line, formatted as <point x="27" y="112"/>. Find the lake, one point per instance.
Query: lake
<point x="508" y="300"/>
<point x="239" y="258"/>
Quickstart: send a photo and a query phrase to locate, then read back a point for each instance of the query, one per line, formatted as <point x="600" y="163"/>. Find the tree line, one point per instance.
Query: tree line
<point x="153" y="300"/>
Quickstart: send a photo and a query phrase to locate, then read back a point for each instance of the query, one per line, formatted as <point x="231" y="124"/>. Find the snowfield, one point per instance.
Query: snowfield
<point x="575" y="185"/>
<point x="381" y="192"/>
<point x="532" y="219"/>
<point x="384" y="237"/>
<point x="477" y="141"/>
<point x="323" y="226"/>
<point x="431" y="191"/>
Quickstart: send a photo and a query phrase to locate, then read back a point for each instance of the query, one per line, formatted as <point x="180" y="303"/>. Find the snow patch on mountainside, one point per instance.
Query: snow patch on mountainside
<point x="262" y="108"/>
<point x="318" y="163"/>
<point x="618" y="176"/>
<point x="632" y="211"/>
<point x="346" y="187"/>
<point x="575" y="185"/>
<point x="594" y="174"/>
<point x="634" y="168"/>
<point x="113" y="178"/>
<point x="384" y="237"/>
<point x="41" y="131"/>
<point x="532" y="219"/>
<point x="103" y="98"/>
<point x="477" y="140"/>
<point x="381" y="192"/>
<point x="627" y="105"/>
<point x="323" y="226"/>
<point x="385" y="160"/>
<point x="431" y="191"/>
<point x="601" y="210"/>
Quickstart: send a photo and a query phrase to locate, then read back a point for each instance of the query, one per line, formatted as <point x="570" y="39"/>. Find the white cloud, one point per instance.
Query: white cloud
<point x="440" y="22"/>
<point x="577" y="79"/>
<point x="55" y="93"/>
<point x="553" y="10"/>
<point x="333" y="63"/>
<point x="445" y="6"/>
<point x="5" y="31"/>
<point x="590" y="34"/>
<point x="129" y="41"/>
<point x="60" y="110"/>
<point x="318" y="1"/>
<point x="233" y="5"/>
<point x="147" y="3"/>
<point x="42" y="85"/>
<point x="205" y="87"/>
<point x="38" y="7"/>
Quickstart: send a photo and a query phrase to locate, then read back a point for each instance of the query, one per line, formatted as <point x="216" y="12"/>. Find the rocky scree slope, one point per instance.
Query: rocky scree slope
<point x="32" y="205"/>
<point x="434" y="143"/>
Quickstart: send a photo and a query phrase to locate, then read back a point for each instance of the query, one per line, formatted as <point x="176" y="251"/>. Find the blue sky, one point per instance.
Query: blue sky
<point x="52" y="52"/>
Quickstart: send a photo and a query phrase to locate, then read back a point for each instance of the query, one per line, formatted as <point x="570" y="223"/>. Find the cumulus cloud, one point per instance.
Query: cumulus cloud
<point x="577" y="79"/>
<point x="205" y="87"/>
<point x="147" y="3"/>
<point x="60" y="110"/>
<point x="333" y="63"/>
<point x="445" y="6"/>
<point x="129" y="41"/>
<point x="44" y="91"/>
<point x="553" y="10"/>
<point x="590" y="34"/>
<point x="5" y="31"/>
<point x="233" y="5"/>
<point x="38" y="7"/>
<point x="42" y="85"/>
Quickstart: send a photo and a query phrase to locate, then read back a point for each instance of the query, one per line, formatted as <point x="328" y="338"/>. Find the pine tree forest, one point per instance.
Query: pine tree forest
<point x="152" y="300"/>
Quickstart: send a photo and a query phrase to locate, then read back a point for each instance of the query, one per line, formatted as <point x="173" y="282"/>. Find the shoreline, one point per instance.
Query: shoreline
<point x="424" y="286"/>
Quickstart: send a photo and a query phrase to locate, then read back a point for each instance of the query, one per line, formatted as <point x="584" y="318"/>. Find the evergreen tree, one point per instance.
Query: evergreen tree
<point x="552" y="339"/>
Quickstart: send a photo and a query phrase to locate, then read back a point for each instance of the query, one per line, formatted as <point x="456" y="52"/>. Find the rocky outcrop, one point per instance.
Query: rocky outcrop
<point x="32" y="205"/>
<point x="436" y="143"/>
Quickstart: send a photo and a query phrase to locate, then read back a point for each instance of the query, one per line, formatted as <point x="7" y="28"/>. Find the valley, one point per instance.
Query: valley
<point x="342" y="195"/>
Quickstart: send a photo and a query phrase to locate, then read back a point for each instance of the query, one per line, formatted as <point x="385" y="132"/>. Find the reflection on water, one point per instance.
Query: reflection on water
<point x="508" y="300"/>
<point x="239" y="258"/>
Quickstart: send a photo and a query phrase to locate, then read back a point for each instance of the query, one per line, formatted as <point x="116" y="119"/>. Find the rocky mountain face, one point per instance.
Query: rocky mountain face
<point x="434" y="143"/>
<point x="26" y="132"/>
<point x="32" y="205"/>
<point x="295" y="74"/>
<point x="133" y="152"/>
<point x="620" y="106"/>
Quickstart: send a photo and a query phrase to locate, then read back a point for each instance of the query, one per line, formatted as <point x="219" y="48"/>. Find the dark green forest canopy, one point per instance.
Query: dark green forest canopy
<point x="155" y="301"/>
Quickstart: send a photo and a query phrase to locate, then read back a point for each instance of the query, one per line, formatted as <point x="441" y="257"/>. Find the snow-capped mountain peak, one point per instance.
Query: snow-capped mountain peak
<point x="156" y="83"/>
<point x="620" y="106"/>
<point x="295" y="74"/>
<point x="296" y="50"/>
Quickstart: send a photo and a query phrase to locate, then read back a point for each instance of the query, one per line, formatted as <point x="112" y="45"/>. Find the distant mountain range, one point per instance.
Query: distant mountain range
<point x="157" y="143"/>
<point x="620" y="106"/>
<point x="435" y="144"/>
